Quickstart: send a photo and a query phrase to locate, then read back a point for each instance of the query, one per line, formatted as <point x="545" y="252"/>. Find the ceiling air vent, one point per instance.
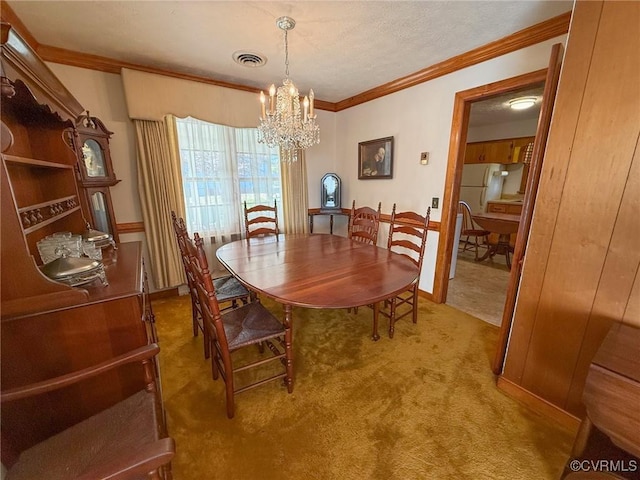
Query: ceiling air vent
<point x="249" y="59"/>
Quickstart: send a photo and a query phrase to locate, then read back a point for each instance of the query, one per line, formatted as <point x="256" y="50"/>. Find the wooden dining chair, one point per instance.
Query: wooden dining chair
<point x="363" y="228"/>
<point x="248" y="325"/>
<point x="127" y="440"/>
<point x="228" y="289"/>
<point x="408" y="237"/>
<point x="470" y="231"/>
<point x="363" y="224"/>
<point x="261" y="220"/>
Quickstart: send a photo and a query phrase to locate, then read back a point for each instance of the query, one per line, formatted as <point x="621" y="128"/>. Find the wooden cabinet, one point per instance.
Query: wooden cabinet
<point x="48" y="328"/>
<point x="37" y="174"/>
<point x="497" y="151"/>
<point x="114" y="319"/>
<point x="522" y="149"/>
<point x="612" y="389"/>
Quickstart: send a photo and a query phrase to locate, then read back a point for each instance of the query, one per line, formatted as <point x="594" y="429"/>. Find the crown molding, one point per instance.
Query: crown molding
<point x="7" y="15"/>
<point x="540" y="32"/>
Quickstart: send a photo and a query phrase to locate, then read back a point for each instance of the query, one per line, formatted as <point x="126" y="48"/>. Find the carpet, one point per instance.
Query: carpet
<point x="422" y="405"/>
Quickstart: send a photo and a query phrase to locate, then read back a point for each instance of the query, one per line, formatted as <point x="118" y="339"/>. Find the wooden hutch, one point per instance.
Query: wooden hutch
<point x="48" y="328"/>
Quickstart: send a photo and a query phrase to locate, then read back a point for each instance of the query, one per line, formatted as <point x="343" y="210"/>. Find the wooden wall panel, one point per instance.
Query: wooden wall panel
<point x="568" y="101"/>
<point x="576" y="278"/>
<point x="632" y="315"/>
<point x="616" y="282"/>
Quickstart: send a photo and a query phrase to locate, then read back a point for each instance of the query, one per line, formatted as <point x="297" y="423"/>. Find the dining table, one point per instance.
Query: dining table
<point x="504" y="224"/>
<point x="319" y="271"/>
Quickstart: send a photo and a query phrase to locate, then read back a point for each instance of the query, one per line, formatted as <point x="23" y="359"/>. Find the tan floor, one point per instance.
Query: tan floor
<point x="479" y="288"/>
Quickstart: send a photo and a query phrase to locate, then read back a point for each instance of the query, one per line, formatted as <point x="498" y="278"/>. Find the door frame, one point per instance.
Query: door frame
<point x="457" y="142"/>
<point x="460" y="123"/>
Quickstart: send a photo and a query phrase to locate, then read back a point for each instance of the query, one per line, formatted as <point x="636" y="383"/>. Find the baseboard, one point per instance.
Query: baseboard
<point x="427" y="295"/>
<point x="169" y="292"/>
<point x="539" y="405"/>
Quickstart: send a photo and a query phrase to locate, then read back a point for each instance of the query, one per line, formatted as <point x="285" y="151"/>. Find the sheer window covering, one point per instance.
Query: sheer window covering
<point x="222" y="167"/>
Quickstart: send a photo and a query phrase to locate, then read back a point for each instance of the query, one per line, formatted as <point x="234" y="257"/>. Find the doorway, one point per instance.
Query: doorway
<point x="458" y="139"/>
<point x="479" y="288"/>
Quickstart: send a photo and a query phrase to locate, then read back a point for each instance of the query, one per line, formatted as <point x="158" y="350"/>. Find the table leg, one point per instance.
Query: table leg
<point x="288" y="337"/>
<point x="491" y="251"/>
<point x="331" y="224"/>
<point x="310" y="223"/>
<point x="376" y="312"/>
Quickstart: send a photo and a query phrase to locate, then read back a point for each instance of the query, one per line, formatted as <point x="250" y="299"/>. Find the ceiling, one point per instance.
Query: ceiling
<point x="340" y="49"/>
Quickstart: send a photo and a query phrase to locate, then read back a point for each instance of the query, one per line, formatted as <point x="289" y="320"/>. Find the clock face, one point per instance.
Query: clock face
<point x="93" y="159"/>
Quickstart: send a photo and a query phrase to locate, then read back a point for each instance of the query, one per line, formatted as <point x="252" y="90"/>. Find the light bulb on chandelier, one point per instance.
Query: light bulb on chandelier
<point x="282" y="122"/>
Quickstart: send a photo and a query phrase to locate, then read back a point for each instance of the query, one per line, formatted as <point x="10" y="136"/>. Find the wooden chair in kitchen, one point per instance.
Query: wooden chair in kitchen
<point x="363" y="224"/>
<point x="470" y="232"/>
<point x="127" y="440"/>
<point x="233" y="330"/>
<point x="261" y="220"/>
<point x="228" y="288"/>
<point x="408" y="237"/>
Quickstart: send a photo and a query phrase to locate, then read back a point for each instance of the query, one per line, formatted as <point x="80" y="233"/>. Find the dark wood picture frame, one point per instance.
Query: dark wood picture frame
<point x="375" y="159"/>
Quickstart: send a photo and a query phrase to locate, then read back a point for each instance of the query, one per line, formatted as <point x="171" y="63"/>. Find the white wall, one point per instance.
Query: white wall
<point x="418" y="118"/>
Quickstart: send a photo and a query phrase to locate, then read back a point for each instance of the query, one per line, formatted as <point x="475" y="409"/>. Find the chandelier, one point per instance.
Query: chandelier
<point x="282" y="122"/>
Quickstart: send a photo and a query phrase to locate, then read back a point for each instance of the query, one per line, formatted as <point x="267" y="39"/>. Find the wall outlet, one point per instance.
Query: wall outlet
<point x="424" y="158"/>
<point x="435" y="202"/>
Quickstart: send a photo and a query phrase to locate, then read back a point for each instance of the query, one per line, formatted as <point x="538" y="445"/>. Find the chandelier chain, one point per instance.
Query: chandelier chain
<point x="286" y="55"/>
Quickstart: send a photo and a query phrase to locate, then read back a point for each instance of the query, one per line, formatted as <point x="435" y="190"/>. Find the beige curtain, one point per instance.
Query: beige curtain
<point x="295" y="205"/>
<point x="160" y="187"/>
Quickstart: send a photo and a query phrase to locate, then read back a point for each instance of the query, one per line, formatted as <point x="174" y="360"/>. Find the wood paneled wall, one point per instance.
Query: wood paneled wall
<point x="581" y="267"/>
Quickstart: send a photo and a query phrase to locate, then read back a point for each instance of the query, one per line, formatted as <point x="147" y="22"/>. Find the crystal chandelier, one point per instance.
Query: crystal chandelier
<point x="282" y="123"/>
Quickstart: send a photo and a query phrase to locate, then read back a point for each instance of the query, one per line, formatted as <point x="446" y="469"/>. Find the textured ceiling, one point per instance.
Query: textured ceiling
<point x="339" y="49"/>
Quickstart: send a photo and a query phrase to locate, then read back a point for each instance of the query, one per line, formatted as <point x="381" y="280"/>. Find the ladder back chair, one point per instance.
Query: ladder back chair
<point x="363" y="224"/>
<point x="127" y="440"/>
<point x="261" y="220"/>
<point x="470" y="230"/>
<point x="228" y="288"/>
<point x="408" y="237"/>
<point x="247" y="325"/>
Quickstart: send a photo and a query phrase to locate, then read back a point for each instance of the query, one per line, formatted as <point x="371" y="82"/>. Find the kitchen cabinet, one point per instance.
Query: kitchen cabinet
<point x="497" y="151"/>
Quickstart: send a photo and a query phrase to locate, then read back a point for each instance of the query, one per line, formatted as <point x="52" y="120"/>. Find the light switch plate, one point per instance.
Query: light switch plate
<point x="435" y="202"/>
<point x="424" y="158"/>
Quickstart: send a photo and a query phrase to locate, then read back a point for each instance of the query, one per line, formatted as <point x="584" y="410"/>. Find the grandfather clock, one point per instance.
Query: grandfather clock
<point x="95" y="173"/>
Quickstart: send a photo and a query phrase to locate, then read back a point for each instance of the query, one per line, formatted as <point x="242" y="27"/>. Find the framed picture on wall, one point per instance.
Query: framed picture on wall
<point x="375" y="159"/>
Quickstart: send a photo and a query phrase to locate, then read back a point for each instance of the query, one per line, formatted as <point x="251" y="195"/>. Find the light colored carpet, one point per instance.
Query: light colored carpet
<point x="421" y="406"/>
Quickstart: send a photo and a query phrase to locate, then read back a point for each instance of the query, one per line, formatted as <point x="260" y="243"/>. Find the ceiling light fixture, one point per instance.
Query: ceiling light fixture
<point x="282" y="123"/>
<point x="522" y="103"/>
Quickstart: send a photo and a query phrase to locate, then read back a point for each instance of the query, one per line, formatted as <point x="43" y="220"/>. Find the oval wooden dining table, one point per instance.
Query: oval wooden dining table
<point x="318" y="271"/>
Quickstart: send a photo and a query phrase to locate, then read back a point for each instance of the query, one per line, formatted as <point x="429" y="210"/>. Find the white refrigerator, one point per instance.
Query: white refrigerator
<point x="481" y="182"/>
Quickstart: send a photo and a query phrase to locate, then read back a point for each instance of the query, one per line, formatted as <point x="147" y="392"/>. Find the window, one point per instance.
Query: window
<point x="222" y="167"/>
